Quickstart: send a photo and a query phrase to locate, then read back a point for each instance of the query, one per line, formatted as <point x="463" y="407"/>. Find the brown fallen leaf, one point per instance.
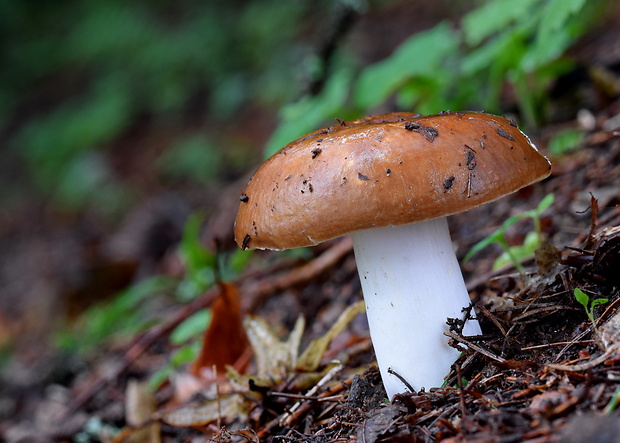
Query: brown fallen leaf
<point x="139" y="407"/>
<point x="274" y="357"/>
<point x="225" y="341"/>
<point x="379" y="422"/>
<point x="311" y="357"/>
<point x="224" y="409"/>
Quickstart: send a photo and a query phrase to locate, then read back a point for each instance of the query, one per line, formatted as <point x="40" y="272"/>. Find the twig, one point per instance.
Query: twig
<point x="588" y="365"/>
<point x="305" y="397"/>
<point x="549" y="309"/>
<point x="589" y="241"/>
<point x="493" y="318"/>
<point x="609" y="308"/>
<point x="474" y="347"/>
<point x="438" y="414"/>
<point x="217" y="393"/>
<point x="303" y="409"/>
<point x="559" y="343"/>
<point x="464" y="412"/>
<point x="576" y="340"/>
<point x="284" y="420"/>
<point x="257" y="291"/>
<point x="401" y="378"/>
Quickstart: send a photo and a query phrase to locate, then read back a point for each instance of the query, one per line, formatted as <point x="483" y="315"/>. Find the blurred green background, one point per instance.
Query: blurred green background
<point x="102" y="102"/>
<point x="83" y="84"/>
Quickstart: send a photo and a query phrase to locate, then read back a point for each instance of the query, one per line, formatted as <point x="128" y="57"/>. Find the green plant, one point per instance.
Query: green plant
<point x="76" y="77"/>
<point x="186" y="352"/>
<point x="127" y="312"/>
<point x="120" y="317"/>
<point x="613" y="402"/>
<point x="455" y="66"/>
<point x="589" y="304"/>
<point x="416" y="71"/>
<point x="515" y="254"/>
<point x="200" y="264"/>
<point x="522" y="43"/>
<point x="204" y="268"/>
<point x="565" y="141"/>
<point x="191" y="158"/>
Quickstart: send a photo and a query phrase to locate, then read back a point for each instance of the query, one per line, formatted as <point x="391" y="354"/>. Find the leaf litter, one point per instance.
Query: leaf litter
<point x="538" y="369"/>
<point x="540" y="372"/>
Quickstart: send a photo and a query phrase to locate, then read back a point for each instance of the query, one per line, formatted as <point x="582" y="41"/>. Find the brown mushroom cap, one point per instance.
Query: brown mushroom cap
<point x="389" y="169"/>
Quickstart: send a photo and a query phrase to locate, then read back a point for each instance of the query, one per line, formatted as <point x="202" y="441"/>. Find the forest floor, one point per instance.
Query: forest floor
<point x="539" y="373"/>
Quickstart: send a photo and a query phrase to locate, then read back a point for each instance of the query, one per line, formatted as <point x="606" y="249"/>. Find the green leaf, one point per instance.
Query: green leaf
<point x="493" y="53"/>
<point x="193" y="326"/>
<point x="200" y="263"/>
<point x="194" y="254"/>
<point x="518" y="253"/>
<point x="582" y="298"/>
<point x="495" y="237"/>
<point x="556" y="13"/>
<point x="422" y="55"/>
<point x="565" y="141"/>
<point x="531" y="242"/>
<point x="545" y="203"/>
<point x="613" y="402"/>
<point x="307" y="114"/>
<point x="495" y="16"/>
<point x="160" y="376"/>
<point x="599" y="301"/>
<point x="543" y="52"/>
<point x="180" y="357"/>
<point x="185" y="354"/>
<point x="235" y="263"/>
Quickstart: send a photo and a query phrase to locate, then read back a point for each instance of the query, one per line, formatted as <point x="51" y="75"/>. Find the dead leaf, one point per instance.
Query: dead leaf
<point x="224" y="409"/>
<point x="139" y="407"/>
<point x="311" y="358"/>
<point x="379" y="422"/>
<point x="186" y="386"/>
<point x="225" y="341"/>
<point x="274" y="357"/>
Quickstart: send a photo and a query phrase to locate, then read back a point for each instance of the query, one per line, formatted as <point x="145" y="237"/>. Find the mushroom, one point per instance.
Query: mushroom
<point x="390" y="181"/>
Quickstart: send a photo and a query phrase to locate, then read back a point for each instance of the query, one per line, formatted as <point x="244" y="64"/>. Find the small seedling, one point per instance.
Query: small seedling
<point x="613" y="403"/>
<point x="518" y="253"/>
<point x="588" y="304"/>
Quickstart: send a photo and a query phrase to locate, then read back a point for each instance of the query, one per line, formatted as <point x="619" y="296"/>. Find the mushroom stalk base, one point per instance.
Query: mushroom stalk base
<point x="412" y="283"/>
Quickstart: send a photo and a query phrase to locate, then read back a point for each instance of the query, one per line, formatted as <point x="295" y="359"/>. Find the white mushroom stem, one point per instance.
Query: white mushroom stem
<point x="412" y="284"/>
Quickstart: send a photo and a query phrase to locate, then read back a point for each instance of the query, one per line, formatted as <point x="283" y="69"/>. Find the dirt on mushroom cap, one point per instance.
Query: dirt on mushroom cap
<point x="390" y="169"/>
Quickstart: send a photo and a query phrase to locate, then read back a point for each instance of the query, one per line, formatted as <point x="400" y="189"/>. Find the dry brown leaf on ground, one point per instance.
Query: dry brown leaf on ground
<point x="225" y="341"/>
<point x="274" y="357"/>
<point x="224" y="409"/>
<point x="311" y="357"/>
<point x="276" y="361"/>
